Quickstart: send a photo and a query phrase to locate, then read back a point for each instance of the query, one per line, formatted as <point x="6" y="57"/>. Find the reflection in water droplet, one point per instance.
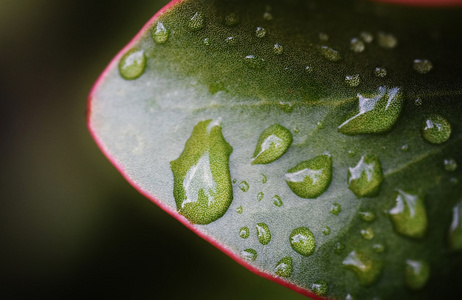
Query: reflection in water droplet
<point x="249" y="254"/>
<point x="379" y="248"/>
<point x="260" y="196"/>
<point x="366" y="216"/>
<point x="436" y="129"/>
<point x="160" y="33"/>
<point x="239" y="210"/>
<point x="416" y="273"/>
<point x="264" y="179"/>
<point x="132" y="64"/>
<point x="450" y="165"/>
<point x="231" y="19"/>
<point x="244" y="232"/>
<point x="380" y="72"/>
<point x="263" y="233"/>
<point x="356" y="45"/>
<point x="366" y="36"/>
<point x="302" y="241"/>
<point x="277" y="201"/>
<point x="323" y="37"/>
<point x="409" y="215"/>
<point x="278" y="49"/>
<point x="335" y="209"/>
<point x="311" y="178"/>
<point x="367" y="270"/>
<point x="339" y="247"/>
<point x="284" y="267"/>
<point x="196" y="22"/>
<point x="244" y="186"/>
<point x="353" y="80"/>
<point x="422" y="66"/>
<point x="202" y="190"/>
<point x="455" y="230"/>
<point x="367" y="234"/>
<point x="326" y="230"/>
<point x="260" y="32"/>
<point x="272" y="144"/>
<point x="254" y="62"/>
<point x="330" y="54"/>
<point x="320" y="287"/>
<point x="387" y="40"/>
<point x="365" y="178"/>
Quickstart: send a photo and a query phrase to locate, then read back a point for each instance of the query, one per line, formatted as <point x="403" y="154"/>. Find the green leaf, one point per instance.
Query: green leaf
<point x="315" y="142"/>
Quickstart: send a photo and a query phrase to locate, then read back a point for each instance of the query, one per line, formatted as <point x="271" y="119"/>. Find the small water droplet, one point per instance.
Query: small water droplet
<point x="356" y="45"/>
<point x="267" y="16"/>
<point x="277" y="201"/>
<point x="416" y="273"/>
<point x="409" y="215"/>
<point x="230" y="40"/>
<point x="436" y="129"/>
<point x="366" y="36"/>
<point x="260" y="32"/>
<point x="353" y="80"/>
<point x="387" y="40"/>
<point x="249" y="254"/>
<point x="380" y="72"/>
<point x="339" y="247"/>
<point x="244" y="232"/>
<point x="320" y="287"/>
<point x="365" y="178"/>
<point x="263" y="233"/>
<point x="278" y="49"/>
<point x="196" y="22"/>
<point x="308" y="69"/>
<point x="366" y="216"/>
<point x="405" y="148"/>
<point x="455" y="230"/>
<point x="272" y="144"/>
<point x="160" y="33"/>
<point x="302" y="241"/>
<point x="335" y="209"/>
<point x="326" y="230"/>
<point x="260" y="196"/>
<point x="132" y="64"/>
<point x="367" y="234"/>
<point x="323" y="37"/>
<point x="450" y="165"/>
<point x="330" y="54"/>
<point x="284" y="267"/>
<point x="367" y="270"/>
<point x="311" y="178"/>
<point x="244" y="186"/>
<point x="379" y="248"/>
<point x="206" y="41"/>
<point x="232" y="19"/>
<point x="239" y="210"/>
<point x="422" y="66"/>
<point x="234" y="181"/>
<point x="349" y="297"/>
<point x="418" y="102"/>
<point x="320" y="125"/>
<point x="263" y="177"/>
<point x="254" y="62"/>
<point x="351" y="153"/>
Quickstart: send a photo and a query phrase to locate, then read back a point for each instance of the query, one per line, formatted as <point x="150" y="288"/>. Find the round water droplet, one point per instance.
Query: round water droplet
<point x="416" y="273"/>
<point x="367" y="234"/>
<point x="320" y="287"/>
<point x="311" y="178"/>
<point x="450" y="165"/>
<point x="278" y="49"/>
<point x="249" y="254"/>
<point x="196" y="22"/>
<point x="367" y="270"/>
<point x="320" y="125"/>
<point x="260" y="196"/>
<point x="267" y="16"/>
<point x="380" y="72"/>
<point x="353" y="80"/>
<point x="330" y="54"/>
<point x="263" y="177"/>
<point x="263" y="233"/>
<point x="254" y="61"/>
<point x="366" y="216"/>
<point x="230" y="40"/>
<point x="339" y="247"/>
<point x="160" y="33"/>
<point x="387" y="40"/>
<point x="284" y="267"/>
<point x="366" y="37"/>
<point x="232" y="19"/>
<point x="308" y="69"/>
<point x="326" y="230"/>
<point x="272" y="144"/>
<point x="260" y="32"/>
<point x="244" y="186"/>
<point x="365" y="178"/>
<point x="323" y="37"/>
<point x="132" y="64"/>
<point x="277" y="201"/>
<point x="206" y="41"/>
<point x="302" y="241"/>
<point x="239" y="210"/>
<point x="455" y="230"/>
<point x="356" y="45"/>
<point x="405" y="148"/>
<point x="422" y="66"/>
<point x="335" y="209"/>
<point x="436" y="129"/>
<point x="379" y="248"/>
<point x="409" y="215"/>
<point x="244" y="232"/>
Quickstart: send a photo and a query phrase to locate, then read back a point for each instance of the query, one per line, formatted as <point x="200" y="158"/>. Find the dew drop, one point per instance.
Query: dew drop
<point x="422" y="66"/>
<point x="244" y="232"/>
<point x="244" y="186"/>
<point x="380" y="72"/>
<point x="277" y="201"/>
<point x="379" y="248"/>
<point x="349" y="297"/>
<point x="353" y="80"/>
<point x="260" y="32"/>
<point x="455" y="230"/>
<point x="254" y="62"/>
<point x="339" y="247"/>
<point x="263" y="177"/>
<point x="260" y="196"/>
<point x="335" y="209"/>
<point x="132" y="64"/>
<point x="308" y="69"/>
<point x="367" y="270"/>
<point x="320" y="287"/>
<point x="387" y="40"/>
<point x="367" y="234"/>
<point x="356" y="45"/>
<point x="263" y="233"/>
<point x="206" y="41"/>
<point x="366" y="216"/>
<point x="365" y="178"/>
<point x="320" y="125"/>
<point x="330" y="54"/>
<point x="326" y="230"/>
<point x="323" y="37"/>
<point x="405" y="148"/>
<point x="267" y="16"/>
<point x="351" y="153"/>
<point x="416" y="273"/>
<point x="160" y="33"/>
<point x="278" y="49"/>
<point x="311" y="178"/>
<point x="366" y="37"/>
<point x="196" y="22"/>
<point x="230" y="40"/>
<point x="272" y="144"/>
<point x="302" y="241"/>
<point x="239" y="210"/>
<point x="249" y="254"/>
<point x="202" y="190"/>
<point x="436" y="129"/>
<point x="284" y="267"/>
<point x="450" y="165"/>
<point x="232" y="19"/>
<point x="409" y="215"/>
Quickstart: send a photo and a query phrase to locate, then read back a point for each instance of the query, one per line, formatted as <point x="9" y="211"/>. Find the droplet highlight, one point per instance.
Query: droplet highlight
<point x="132" y="64"/>
<point x="302" y="241"/>
<point x="365" y="178"/>
<point x="367" y="270"/>
<point x="409" y="215"/>
<point x="263" y="233"/>
<point x="272" y="144"/>
<point x="284" y="267"/>
<point x="436" y="129"/>
<point x="160" y="33"/>
<point x="416" y="273"/>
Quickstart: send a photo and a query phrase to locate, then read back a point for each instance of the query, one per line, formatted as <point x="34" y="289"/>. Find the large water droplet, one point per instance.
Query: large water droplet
<point x="249" y="254"/>
<point x="365" y="178"/>
<point x="376" y="114"/>
<point x="366" y="216"/>
<point x="330" y="54"/>
<point x="244" y="186"/>
<point x="409" y="215"/>
<point x="422" y="66"/>
<point x="272" y="144"/>
<point x="284" y="267"/>
<point x="311" y="178"/>
<point x="356" y="45"/>
<point x="367" y="234"/>
<point x="244" y="232"/>
<point x="320" y="287"/>
<point x="203" y="190"/>
<point x="302" y="241"/>
<point x="387" y="40"/>
<point x="254" y="62"/>
<point x="260" y="32"/>
<point x="132" y="64"/>
<point x="455" y="230"/>
<point x="416" y="273"/>
<point x="335" y="209"/>
<point x="232" y="19"/>
<point x="436" y="129"/>
<point x="196" y="22"/>
<point x="450" y="165"/>
<point x="353" y="80"/>
<point x="367" y="270"/>
<point x="277" y="200"/>
<point x="263" y="233"/>
<point x="160" y="33"/>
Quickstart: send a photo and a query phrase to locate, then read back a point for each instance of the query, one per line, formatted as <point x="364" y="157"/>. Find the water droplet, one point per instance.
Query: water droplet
<point x="418" y="102"/>
<point x="380" y="72"/>
<point x="244" y="186"/>
<point x="323" y="37"/>
<point x="366" y="216"/>
<point x="351" y="153"/>
<point x="379" y="248"/>
<point x="356" y="45"/>
<point x="339" y="247"/>
<point x="320" y="125"/>
<point x="278" y="49"/>
<point x="367" y="270"/>
<point x="349" y="297"/>
<point x="234" y="180"/>
<point x="160" y="33"/>
<point x="366" y="36"/>
<point x="302" y="241"/>
<point x="330" y="54"/>
<point x="249" y="254"/>
<point x="196" y="22"/>
<point x="320" y="287"/>
<point x="422" y="66"/>
<point x="254" y="62"/>
<point x="272" y="144"/>
<point x="416" y="273"/>
<point x="239" y="210"/>
<point x="365" y="178"/>
<point x="267" y="16"/>
<point x="232" y="19"/>
<point x="244" y="232"/>
<point x="367" y="234"/>
<point x="203" y="190"/>
<point x="455" y="230"/>
<point x="260" y="196"/>
<point x="132" y="64"/>
<point x="353" y="80"/>
<point x="335" y="209"/>
<point x="284" y="267"/>
<point x="387" y="40"/>
<point x="308" y="69"/>
<point x="260" y="32"/>
<point x="450" y="165"/>
<point x="326" y="230"/>
<point x="230" y="40"/>
<point x="409" y="216"/>
<point x="263" y="177"/>
<point x="436" y="129"/>
<point x="206" y="41"/>
<point x="311" y="178"/>
<point x="376" y="114"/>
<point x="277" y="201"/>
<point x="263" y="233"/>
<point x="405" y="148"/>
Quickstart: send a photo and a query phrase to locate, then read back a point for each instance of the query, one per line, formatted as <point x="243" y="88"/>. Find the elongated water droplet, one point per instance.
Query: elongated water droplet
<point x="409" y="215"/>
<point x="335" y="209"/>
<point x="232" y="19"/>
<point x="320" y="287"/>
<point x="196" y="22"/>
<point x="277" y="200"/>
<point x="450" y="165"/>
<point x="260" y="196"/>
<point x="367" y="270"/>
<point x="356" y="45"/>
<point x="367" y="234"/>
<point x="272" y="144"/>
<point x="376" y="114"/>
<point x="366" y="37"/>
<point x="365" y="178"/>
<point x="353" y="80"/>
<point x="387" y="40"/>
<point x="203" y="191"/>
<point x="132" y="64"/>
<point x="160" y="33"/>
<point x="455" y="230"/>
<point x="422" y="66"/>
<point x="326" y="230"/>
<point x="416" y="273"/>
<point x="330" y="54"/>
<point x="311" y="178"/>
<point x="263" y="177"/>
<point x="379" y="248"/>
<point x="260" y="32"/>
<point x="302" y="241"/>
<point x="244" y="232"/>
<point x="244" y="186"/>
<point x="278" y="49"/>
<point x="239" y="210"/>
<point x="263" y="233"/>
<point x="249" y="254"/>
<point x="436" y="129"/>
<point x="254" y="62"/>
<point x="366" y="216"/>
<point x="284" y="267"/>
<point x="380" y="72"/>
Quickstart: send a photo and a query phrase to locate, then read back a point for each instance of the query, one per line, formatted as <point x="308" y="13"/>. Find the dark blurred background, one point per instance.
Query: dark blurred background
<point x="70" y="226"/>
